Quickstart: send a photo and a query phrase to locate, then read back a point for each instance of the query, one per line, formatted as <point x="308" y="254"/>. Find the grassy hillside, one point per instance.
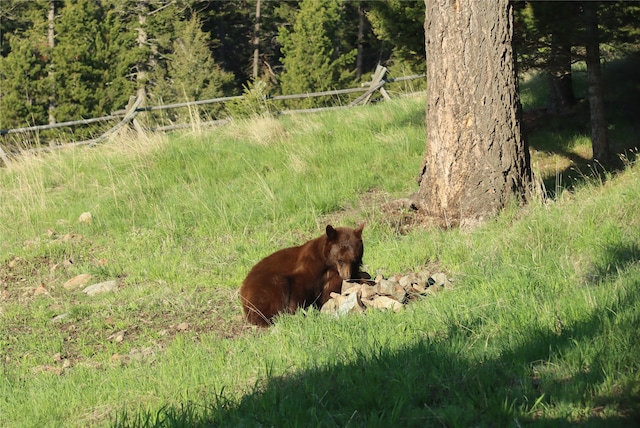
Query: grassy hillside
<point x="540" y="327"/>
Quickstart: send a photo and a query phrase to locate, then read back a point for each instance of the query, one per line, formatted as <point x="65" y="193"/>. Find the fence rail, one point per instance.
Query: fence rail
<point x="128" y="115"/>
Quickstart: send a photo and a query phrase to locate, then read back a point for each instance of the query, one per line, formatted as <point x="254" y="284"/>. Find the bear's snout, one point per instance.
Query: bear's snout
<point x="345" y="270"/>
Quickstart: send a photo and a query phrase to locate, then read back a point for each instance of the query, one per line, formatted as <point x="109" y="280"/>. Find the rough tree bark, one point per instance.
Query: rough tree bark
<point x="599" y="141"/>
<point x="476" y="158"/>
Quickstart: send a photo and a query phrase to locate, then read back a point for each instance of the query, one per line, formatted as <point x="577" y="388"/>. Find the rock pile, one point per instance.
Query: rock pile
<point x="390" y="293"/>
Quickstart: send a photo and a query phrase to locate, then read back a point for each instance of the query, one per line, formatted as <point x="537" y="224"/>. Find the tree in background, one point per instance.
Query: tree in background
<point x="80" y="61"/>
<point x="192" y="74"/>
<point x="313" y="59"/>
<point x="557" y="24"/>
<point x="25" y="81"/>
<point x="599" y="141"/>
<point x="476" y="159"/>
<point x="400" y="23"/>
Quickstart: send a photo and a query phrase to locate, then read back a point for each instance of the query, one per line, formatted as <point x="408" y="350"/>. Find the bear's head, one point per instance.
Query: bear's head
<point x="344" y="250"/>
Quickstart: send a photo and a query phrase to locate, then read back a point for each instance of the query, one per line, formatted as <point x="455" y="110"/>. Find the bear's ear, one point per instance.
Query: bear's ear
<point x="332" y="234"/>
<point x="358" y="230"/>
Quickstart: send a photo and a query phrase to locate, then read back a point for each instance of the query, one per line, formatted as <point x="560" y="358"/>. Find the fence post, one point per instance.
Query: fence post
<point x="377" y="82"/>
<point x="132" y="112"/>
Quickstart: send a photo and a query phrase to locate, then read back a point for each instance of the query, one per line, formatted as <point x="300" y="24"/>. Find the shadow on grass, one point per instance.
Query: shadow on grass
<point x="556" y="134"/>
<point x="432" y="383"/>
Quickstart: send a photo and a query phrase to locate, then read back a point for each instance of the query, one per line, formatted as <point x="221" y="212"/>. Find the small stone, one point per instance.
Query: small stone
<point x="60" y="317"/>
<point x="418" y="288"/>
<point x="394" y="278"/>
<point x="329" y="307"/>
<point x="368" y="291"/>
<point x="102" y="287"/>
<point x="349" y="287"/>
<point x="85" y="217"/>
<point x="77" y="281"/>
<point x="118" y="336"/>
<point x="406" y="281"/>
<point x="440" y="279"/>
<point x="352" y="304"/>
<point x="393" y="289"/>
<point x="385" y="302"/>
<point x="433" y="289"/>
<point x="119" y="358"/>
<point x="40" y="290"/>
<point x="183" y="326"/>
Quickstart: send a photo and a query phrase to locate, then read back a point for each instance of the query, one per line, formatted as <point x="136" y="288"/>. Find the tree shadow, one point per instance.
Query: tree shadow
<point x="428" y="384"/>
<point x="556" y="135"/>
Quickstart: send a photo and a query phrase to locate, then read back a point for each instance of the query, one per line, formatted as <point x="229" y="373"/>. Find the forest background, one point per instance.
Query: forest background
<point x="74" y="59"/>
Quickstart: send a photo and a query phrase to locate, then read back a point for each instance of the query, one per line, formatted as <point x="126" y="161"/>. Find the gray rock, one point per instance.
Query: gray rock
<point x="393" y="289"/>
<point x="352" y="304"/>
<point x="329" y="307"/>
<point x="384" y="302"/>
<point x="392" y="293"/>
<point x="440" y="279"/>
<point x="99" y="288"/>
<point x="60" y="317"/>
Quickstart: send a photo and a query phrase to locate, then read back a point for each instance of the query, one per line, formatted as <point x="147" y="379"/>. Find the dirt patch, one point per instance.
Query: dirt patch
<point x="86" y="330"/>
<point x="399" y="214"/>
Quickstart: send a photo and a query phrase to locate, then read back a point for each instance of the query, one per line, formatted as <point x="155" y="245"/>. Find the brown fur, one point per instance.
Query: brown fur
<point x="302" y="276"/>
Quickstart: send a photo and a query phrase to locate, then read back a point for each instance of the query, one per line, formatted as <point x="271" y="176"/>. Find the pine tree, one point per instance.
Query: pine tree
<point x="24" y="79"/>
<point x="312" y="57"/>
<point x="80" y="61"/>
<point x="192" y="73"/>
<point x="400" y="23"/>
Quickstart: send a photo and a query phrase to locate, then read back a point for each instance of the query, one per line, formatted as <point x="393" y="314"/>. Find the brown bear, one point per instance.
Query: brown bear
<point x="302" y="276"/>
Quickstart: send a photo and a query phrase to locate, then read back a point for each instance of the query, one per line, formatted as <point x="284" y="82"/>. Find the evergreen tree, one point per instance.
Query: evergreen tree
<point x="400" y="23"/>
<point x="230" y="26"/>
<point x="311" y="51"/>
<point x="192" y="74"/>
<point x="25" y="83"/>
<point x="80" y="61"/>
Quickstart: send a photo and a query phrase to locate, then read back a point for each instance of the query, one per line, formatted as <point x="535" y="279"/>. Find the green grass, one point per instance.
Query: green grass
<point x="540" y="327"/>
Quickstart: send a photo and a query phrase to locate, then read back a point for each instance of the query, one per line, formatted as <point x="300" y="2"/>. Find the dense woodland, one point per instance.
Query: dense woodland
<point x="73" y="59"/>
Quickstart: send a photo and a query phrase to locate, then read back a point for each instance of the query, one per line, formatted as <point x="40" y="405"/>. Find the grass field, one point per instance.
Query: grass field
<point x="539" y="329"/>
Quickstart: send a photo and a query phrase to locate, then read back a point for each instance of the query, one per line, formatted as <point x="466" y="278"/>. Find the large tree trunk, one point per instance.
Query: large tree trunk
<point x="476" y="158"/>
<point x="599" y="141"/>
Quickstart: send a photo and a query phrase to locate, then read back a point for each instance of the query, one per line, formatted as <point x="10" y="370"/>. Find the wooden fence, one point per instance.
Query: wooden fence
<point x="133" y="109"/>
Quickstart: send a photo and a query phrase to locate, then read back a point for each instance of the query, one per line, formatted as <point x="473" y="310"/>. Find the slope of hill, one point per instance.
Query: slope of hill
<point x="541" y="325"/>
